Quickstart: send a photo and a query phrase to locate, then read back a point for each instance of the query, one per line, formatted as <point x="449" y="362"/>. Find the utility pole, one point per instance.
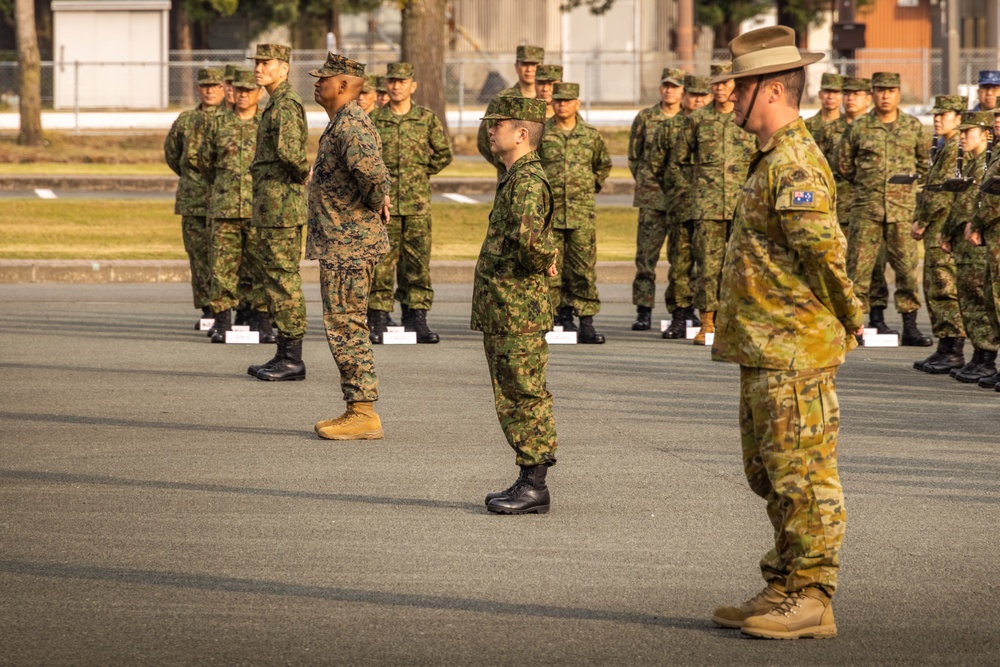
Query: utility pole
<point x="949" y="28"/>
<point x="685" y="32"/>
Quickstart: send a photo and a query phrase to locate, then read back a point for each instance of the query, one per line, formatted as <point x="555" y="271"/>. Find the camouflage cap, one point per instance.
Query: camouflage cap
<point x="855" y="83"/>
<point x="371" y="83"/>
<point x="530" y="54"/>
<point x="380" y="84"/>
<point x="518" y="108"/>
<point x="399" y="71"/>
<point x="955" y="103"/>
<point x="210" y="76"/>
<point x="566" y="91"/>
<point x="721" y="68"/>
<point x="885" y="80"/>
<point x="244" y="78"/>
<point x="336" y="65"/>
<point x="272" y="52"/>
<point x="980" y="119"/>
<point x="549" y="73"/>
<point x="697" y="85"/>
<point x="989" y="77"/>
<point x="672" y="75"/>
<point x="230" y="72"/>
<point x="831" y="81"/>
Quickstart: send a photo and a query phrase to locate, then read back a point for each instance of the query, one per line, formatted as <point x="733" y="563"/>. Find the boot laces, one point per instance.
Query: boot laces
<point x="789" y="604"/>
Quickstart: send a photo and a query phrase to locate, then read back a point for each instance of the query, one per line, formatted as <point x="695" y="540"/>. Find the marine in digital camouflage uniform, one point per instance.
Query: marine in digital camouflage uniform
<point x="831" y="93"/>
<point x="414" y="147"/>
<point x="348" y="205"/>
<point x="526" y="65"/>
<point x="651" y="231"/>
<point x="787" y="314"/>
<point x="280" y="170"/>
<point x="576" y="163"/>
<point x="986" y="224"/>
<point x="510" y="303"/>
<point x="181" y="153"/>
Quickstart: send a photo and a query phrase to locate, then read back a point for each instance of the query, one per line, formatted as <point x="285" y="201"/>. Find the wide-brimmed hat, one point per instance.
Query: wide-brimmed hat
<point x="766" y="51"/>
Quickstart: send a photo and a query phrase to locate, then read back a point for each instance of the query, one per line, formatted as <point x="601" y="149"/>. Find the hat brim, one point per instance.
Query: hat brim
<point x="670" y="79"/>
<point x="565" y="97"/>
<point x="936" y="110"/>
<point x="963" y="128"/>
<point x="243" y="86"/>
<point x="204" y="82"/>
<point x="496" y="116"/>
<point x="805" y="58"/>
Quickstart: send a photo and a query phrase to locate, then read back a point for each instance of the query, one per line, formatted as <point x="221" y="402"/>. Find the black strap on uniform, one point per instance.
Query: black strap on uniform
<point x="753" y="99"/>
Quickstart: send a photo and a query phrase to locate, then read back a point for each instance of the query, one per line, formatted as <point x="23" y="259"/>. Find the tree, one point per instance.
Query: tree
<point x="423" y="45"/>
<point x="29" y="75"/>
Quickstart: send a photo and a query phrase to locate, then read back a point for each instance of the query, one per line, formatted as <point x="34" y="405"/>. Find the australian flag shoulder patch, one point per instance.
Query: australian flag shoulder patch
<point x="801" y="197"/>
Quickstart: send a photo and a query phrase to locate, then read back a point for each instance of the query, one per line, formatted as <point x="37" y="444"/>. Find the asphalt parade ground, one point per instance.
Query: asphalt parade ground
<point x="160" y="507"/>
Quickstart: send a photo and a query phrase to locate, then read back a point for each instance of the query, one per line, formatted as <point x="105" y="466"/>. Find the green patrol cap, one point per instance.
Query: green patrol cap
<point x="380" y="84"/>
<point x="230" y="72"/>
<point x="697" y="85"/>
<point x="672" y="75"/>
<point x="721" y="68"/>
<point x="530" y="54"/>
<point x="549" y="73"/>
<point x="518" y="108"/>
<point x="885" y="80"/>
<point x="566" y="91"/>
<point x="399" y="71"/>
<point x="210" y="76"/>
<point x="855" y="83"/>
<point x="336" y="65"/>
<point x="371" y="83"/>
<point x="244" y="78"/>
<point x="980" y="119"/>
<point x="272" y="52"/>
<point x="955" y="103"/>
<point x="831" y="81"/>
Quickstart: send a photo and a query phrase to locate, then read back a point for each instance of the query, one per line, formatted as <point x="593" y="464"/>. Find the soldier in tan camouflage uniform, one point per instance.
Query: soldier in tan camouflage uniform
<point x="414" y="148"/>
<point x="348" y="209"/>
<point x="181" y="153"/>
<point x="546" y="76"/>
<point x="510" y="302"/>
<point x="526" y="66"/>
<point x="786" y="316"/>
<point x="831" y="94"/>
<point x="651" y="231"/>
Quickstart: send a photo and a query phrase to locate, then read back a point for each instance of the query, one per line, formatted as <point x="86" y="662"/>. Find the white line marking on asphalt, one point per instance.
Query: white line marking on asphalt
<point x="45" y="194"/>
<point x="461" y="199"/>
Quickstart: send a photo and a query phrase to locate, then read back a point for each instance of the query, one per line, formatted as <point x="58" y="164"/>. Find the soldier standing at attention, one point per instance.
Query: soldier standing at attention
<point x="510" y="302"/>
<point x="651" y="231"/>
<point x="280" y="170"/>
<point x="878" y="146"/>
<point x="989" y="88"/>
<point x="348" y="209"/>
<point x="366" y="100"/>
<point x="381" y="92"/>
<point x="181" y="153"/>
<point x="576" y="163"/>
<point x="414" y="147"/>
<point x="786" y="317"/>
<point x="546" y="76"/>
<point x="940" y="286"/>
<point x="986" y="230"/>
<point x="227" y="86"/>
<point x="720" y="151"/>
<point x="526" y="66"/>
<point x="831" y="94"/>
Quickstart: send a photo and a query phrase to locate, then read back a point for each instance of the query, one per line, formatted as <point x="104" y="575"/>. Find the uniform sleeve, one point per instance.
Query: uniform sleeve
<point x="922" y="154"/>
<point x="846" y="152"/>
<point x="362" y="155"/>
<point x="659" y="153"/>
<point x="601" y="163"/>
<point x="441" y="155"/>
<point x="531" y="203"/>
<point x="684" y="145"/>
<point x="291" y="141"/>
<point x="636" y="143"/>
<point x="207" y="152"/>
<point x="174" y="145"/>
<point x="195" y="139"/>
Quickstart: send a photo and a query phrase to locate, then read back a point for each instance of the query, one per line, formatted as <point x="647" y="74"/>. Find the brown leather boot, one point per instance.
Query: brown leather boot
<point x="734" y="617"/>
<point x="707" y="327"/>
<point x="805" y="613"/>
<point x="359" y="422"/>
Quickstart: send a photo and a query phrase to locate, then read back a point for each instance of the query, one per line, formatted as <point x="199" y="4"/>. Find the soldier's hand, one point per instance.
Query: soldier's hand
<point x="385" y="209"/>
<point x="917" y="231"/>
<point x="309" y="177"/>
<point x="552" y="269"/>
<point x="945" y="244"/>
<point x="975" y="238"/>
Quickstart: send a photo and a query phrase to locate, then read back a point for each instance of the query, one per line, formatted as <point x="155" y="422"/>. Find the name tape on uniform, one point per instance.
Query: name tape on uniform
<point x="242" y="337"/>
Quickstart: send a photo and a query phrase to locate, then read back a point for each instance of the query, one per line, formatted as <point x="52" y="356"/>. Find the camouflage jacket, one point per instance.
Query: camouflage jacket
<point x="483" y="138"/>
<point x="674" y="178"/>
<point x="576" y="164"/>
<point x="280" y="167"/>
<point x="932" y="207"/>
<point x="347" y="192"/>
<point x="987" y="213"/>
<point x="871" y="153"/>
<point x="828" y="139"/>
<point x="785" y="300"/>
<point x="720" y="152"/>
<point x="510" y="293"/>
<point x="181" y="153"/>
<point x="641" y="142"/>
<point x="963" y="207"/>
<point x="414" y="147"/>
<point x="226" y="155"/>
<point x="815" y="123"/>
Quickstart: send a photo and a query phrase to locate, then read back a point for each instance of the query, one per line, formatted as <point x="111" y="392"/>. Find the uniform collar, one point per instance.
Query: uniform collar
<point x="518" y="163"/>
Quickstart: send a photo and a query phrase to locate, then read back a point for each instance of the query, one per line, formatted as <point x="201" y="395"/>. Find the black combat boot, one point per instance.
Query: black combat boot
<point x="564" y="318"/>
<point x="990" y="381"/>
<point x="587" y="334"/>
<point x="911" y="334"/>
<point x="691" y="314"/>
<point x="389" y="322"/>
<point x="643" y="318"/>
<point x="941" y="351"/>
<point x="977" y="357"/>
<point x="221" y="326"/>
<point x="528" y="495"/>
<point x="244" y="316"/>
<point x="376" y="326"/>
<point x="211" y="332"/>
<point x="419" y="324"/>
<point x="952" y="358"/>
<point x="678" y="325"/>
<point x="506" y="492"/>
<point x="406" y="319"/>
<point x="987" y="366"/>
<point x="206" y="312"/>
<point x="262" y="322"/>
<point x="289" y="367"/>
<point x="876" y="320"/>
<point x="278" y="356"/>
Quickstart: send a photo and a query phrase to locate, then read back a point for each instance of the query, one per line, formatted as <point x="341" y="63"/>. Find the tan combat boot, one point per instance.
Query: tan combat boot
<point x="734" y="617"/>
<point x="359" y="422"/>
<point x="707" y="327"/>
<point x="805" y="613"/>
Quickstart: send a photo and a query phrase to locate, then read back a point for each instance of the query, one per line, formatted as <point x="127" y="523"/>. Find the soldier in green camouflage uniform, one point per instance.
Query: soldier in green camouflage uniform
<point x="381" y="92"/>
<point x="367" y="98"/>
<point x="526" y="66"/>
<point x="787" y="315"/>
<point x="546" y="76"/>
<point x="414" y="148"/>
<point x="576" y="163"/>
<point x="348" y="206"/>
<point x="876" y="147"/>
<point x="280" y="170"/>
<point x="510" y="302"/>
<point x="181" y="153"/>
<point x="985" y="228"/>
<point x="940" y="278"/>
<point x="720" y="152"/>
<point x="651" y="231"/>
<point x="831" y="94"/>
<point x="227" y="86"/>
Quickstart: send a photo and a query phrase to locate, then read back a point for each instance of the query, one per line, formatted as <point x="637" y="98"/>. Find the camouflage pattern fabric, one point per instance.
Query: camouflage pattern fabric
<point x="483" y="137"/>
<point x="708" y="248"/>
<point x="815" y="123"/>
<point x="227" y="152"/>
<point x="987" y="223"/>
<point x="280" y="167"/>
<point x="674" y="177"/>
<point x="640" y="144"/>
<point x="235" y="256"/>
<point x="575" y="283"/>
<point x="789" y="424"/>
<point x="196" y="233"/>
<point x="576" y="164"/>
<point x="682" y="274"/>
<point x="866" y="243"/>
<point x="181" y="151"/>
<point x="280" y="252"/>
<point x="408" y="262"/>
<point x="345" y="309"/>
<point x="651" y="232"/>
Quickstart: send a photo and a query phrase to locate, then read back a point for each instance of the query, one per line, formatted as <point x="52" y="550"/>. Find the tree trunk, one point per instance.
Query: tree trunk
<point x="423" y="45"/>
<point x="29" y="75"/>
<point x="333" y="25"/>
<point x="184" y="46"/>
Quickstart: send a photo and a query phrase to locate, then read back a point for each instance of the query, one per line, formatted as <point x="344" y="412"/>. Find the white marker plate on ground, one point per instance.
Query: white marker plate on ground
<point x="881" y="340"/>
<point x="206" y="323"/>
<point x="44" y="193"/>
<point x="559" y="337"/>
<point x="399" y="336"/>
<point x="241" y="327"/>
<point x="665" y="324"/>
<point x="461" y="199"/>
<point x="243" y="337"/>
<point x="691" y="332"/>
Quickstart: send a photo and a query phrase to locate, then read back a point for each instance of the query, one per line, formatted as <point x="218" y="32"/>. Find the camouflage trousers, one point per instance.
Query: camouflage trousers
<point x="682" y="269"/>
<point x="198" y="244"/>
<point x="941" y="289"/>
<point x="878" y="293"/>
<point x="280" y="253"/>
<point x="866" y="240"/>
<point x="973" y="290"/>
<point x="575" y="283"/>
<point x="710" y="237"/>
<point x="236" y="267"/>
<point x="345" y="312"/>
<point x="650" y="235"/>
<point x="524" y="405"/>
<point x="789" y="422"/>
<point x="408" y="263"/>
<point x="991" y="239"/>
